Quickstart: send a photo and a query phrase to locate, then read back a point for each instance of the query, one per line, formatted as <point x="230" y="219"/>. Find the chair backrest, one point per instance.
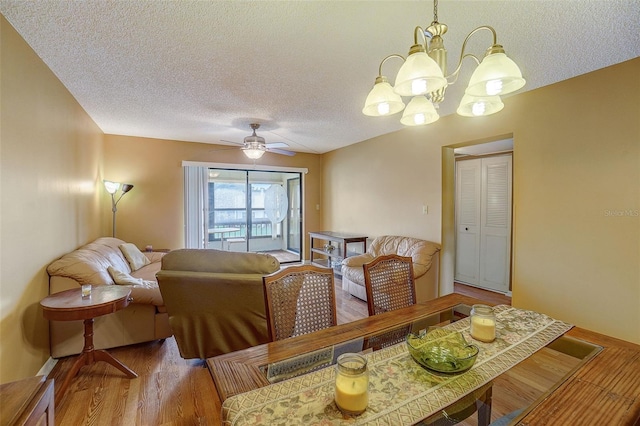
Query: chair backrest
<point x="389" y="283"/>
<point x="299" y="300"/>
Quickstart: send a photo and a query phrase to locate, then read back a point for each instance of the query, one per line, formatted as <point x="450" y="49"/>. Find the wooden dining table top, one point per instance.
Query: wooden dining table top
<point x="606" y="387"/>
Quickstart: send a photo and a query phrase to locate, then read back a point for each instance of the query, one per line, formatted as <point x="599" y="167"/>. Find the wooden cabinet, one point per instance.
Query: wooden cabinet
<point x="27" y="402"/>
<point x="333" y="247"/>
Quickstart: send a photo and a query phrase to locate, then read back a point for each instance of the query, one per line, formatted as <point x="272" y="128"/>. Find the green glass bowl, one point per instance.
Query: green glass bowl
<point x="442" y="351"/>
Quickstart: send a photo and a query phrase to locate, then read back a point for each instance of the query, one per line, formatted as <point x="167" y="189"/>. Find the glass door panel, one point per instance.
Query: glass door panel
<point x="227" y="207"/>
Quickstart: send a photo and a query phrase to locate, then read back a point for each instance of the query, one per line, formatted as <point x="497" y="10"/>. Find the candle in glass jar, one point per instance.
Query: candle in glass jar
<point x="352" y="384"/>
<point x="483" y="323"/>
<point x="483" y="329"/>
<point x="351" y="393"/>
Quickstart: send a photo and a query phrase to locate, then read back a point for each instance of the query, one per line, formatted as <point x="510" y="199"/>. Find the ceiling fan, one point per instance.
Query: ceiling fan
<point x="254" y="146"/>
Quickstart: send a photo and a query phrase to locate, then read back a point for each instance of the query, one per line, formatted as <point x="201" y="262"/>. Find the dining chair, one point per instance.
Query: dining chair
<point x="299" y="300"/>
<point x="389" y="283"/>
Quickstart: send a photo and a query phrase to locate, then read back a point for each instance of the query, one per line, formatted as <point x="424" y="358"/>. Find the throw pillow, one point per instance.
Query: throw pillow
<point x="134" y="256"/>
<point x="122" y="278"/>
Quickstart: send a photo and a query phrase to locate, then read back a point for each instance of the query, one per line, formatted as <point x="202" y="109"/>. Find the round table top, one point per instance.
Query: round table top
<point x="69" y="305"/>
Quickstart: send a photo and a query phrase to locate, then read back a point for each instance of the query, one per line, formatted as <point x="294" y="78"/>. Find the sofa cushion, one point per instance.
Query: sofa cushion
<point x="134" y="256"/>
<point x="142" y="291"/>
<point x="122" y="278"/>
<point x="89" y="263"/>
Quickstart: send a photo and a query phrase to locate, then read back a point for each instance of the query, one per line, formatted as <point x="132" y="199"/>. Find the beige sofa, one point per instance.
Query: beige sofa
<point x="145" y="319"/>
<point x="215" y="299"/>
<point x="426" y="259"/>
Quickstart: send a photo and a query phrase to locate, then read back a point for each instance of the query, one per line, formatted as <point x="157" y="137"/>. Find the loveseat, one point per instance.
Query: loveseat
<point x="103" y="262"/>
<point x="426" y="259"/>
<point x="215" y="299"/>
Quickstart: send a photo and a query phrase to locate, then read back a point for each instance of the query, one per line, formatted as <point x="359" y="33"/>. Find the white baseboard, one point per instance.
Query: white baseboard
<point x="47" y="367"/>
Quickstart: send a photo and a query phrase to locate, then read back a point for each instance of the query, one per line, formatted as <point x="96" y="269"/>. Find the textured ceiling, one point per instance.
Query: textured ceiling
<point x="203" y="70"/>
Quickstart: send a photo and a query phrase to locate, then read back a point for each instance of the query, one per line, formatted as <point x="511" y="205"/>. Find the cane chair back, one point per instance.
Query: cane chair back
<point x="389" y="283"/>
<point x="299" y="300"/>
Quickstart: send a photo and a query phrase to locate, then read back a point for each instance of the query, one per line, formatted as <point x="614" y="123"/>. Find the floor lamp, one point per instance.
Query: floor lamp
<point x="112" y="188"/>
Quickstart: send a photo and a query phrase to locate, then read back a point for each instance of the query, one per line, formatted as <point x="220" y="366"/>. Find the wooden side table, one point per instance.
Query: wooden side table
<point x="27" y="402"/>
<point x="69" y="305"/>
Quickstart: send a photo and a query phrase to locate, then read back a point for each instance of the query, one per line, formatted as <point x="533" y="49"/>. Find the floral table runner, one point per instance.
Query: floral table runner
<point x="400" y="391"/>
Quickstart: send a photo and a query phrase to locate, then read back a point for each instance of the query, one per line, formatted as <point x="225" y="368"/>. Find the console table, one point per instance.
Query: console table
<point x="333" y="257"/>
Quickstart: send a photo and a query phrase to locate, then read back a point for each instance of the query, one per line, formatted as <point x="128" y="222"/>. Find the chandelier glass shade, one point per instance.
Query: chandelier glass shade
<point x="496" y="75"/>
<point x="476" y="106"/>
<point x="423" y="76"/>
<point x="382" y="100"/>
<point x="419" y="74"/>
<point x="419" y="111"/>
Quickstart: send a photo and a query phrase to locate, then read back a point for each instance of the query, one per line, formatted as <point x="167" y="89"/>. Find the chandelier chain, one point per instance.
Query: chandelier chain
<point x="435" y="10"/>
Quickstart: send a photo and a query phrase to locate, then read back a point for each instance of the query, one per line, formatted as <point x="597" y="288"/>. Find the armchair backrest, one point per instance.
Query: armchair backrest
<point x="420" y="251"/>
<point x="215" y="299"/>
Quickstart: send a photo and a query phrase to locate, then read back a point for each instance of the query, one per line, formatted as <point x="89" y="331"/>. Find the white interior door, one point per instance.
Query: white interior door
<point x="495" y="228"/>
<point x="483" y="222"/>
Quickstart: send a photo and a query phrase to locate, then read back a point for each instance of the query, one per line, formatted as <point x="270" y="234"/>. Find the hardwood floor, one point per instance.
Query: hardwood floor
<point x="169" y="389"/>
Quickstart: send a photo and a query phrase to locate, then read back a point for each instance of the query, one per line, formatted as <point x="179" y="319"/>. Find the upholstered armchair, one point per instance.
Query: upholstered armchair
<point x="426" y="259"/>
<point x="215" y="299"/>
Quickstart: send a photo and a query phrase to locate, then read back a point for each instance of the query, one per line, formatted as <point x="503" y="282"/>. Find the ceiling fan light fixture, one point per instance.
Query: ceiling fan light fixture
<point x="254" y="150"/>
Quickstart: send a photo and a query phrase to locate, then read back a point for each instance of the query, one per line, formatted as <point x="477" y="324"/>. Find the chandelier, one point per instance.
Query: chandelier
<point x="423" y="78"/>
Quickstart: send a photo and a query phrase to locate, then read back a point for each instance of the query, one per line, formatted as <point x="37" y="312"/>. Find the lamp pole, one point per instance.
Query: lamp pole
<point x="114" y="209"/>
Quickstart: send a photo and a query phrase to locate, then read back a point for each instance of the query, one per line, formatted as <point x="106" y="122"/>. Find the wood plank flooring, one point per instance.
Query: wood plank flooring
<point x="169" y="389"/>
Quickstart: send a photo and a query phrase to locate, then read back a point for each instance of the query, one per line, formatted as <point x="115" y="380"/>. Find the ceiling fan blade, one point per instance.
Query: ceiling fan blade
<point x="277" y="145"/>
<point x="281" y="151"/>
<point x="235" y="143"/>
<point x="224" y="149"/>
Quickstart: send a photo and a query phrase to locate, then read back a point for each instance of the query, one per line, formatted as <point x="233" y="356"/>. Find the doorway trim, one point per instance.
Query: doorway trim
<point x="448" y="236"/>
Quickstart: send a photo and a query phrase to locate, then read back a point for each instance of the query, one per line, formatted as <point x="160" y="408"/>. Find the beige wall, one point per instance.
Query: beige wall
<point x="153" y="212"/>
<point x="576" y="167"/>
<point x="50" y="187"/>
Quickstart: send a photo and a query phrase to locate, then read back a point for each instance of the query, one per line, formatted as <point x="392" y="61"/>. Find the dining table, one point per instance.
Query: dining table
<point x="539" y="371"/>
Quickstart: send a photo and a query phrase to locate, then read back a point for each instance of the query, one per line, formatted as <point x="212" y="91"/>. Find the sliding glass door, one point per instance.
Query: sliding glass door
<point x="255" y="211"/>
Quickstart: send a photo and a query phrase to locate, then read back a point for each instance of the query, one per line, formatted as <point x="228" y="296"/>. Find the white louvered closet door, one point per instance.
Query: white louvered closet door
<point x="468" y="194"/>
<point x="484" y="250"/>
